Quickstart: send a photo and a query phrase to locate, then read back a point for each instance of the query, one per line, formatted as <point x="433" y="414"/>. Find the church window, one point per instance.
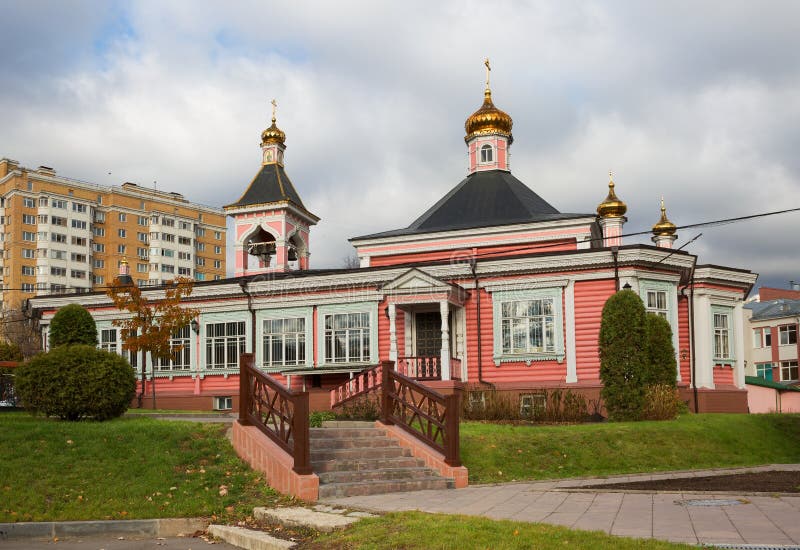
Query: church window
<point x="284" y="342"/>
<point x="528" y="325"/>
<point x="487" y="153"/>
<point x="224" y="343"/>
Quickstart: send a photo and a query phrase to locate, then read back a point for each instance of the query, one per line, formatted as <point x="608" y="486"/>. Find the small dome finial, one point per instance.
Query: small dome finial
<point x="273" y="134"/>
<point x="612" y="206"/>
<point x="664" y="226"/>
<point x="488" y="119"/>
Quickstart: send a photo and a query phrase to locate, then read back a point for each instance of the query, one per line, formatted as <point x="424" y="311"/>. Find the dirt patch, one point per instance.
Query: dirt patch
<point x="756" y="482"/>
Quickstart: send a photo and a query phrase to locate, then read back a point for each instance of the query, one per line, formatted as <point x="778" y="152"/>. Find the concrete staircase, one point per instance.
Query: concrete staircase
<point x="356" y="458"/>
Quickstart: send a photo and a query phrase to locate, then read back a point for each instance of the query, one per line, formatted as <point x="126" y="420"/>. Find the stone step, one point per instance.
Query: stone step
<point x="296" y="516"/>
<point x="350" y="476"/>
<point x="352" y="443"/>
<point x="341" y="490"/>
<point x="365" y="464"/>
<point x="354" y="454"/>
<point x="336" y="433"/>
<point x="248" y="538"/>
<point x="348" y="424"/>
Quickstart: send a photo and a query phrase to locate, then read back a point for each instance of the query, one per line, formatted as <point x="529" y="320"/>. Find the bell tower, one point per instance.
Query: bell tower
<point x="272" y="225"/>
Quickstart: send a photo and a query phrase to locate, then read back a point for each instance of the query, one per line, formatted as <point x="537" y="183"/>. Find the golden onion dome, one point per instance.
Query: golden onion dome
<point x="664" y="226"/>
<point x="612" y="206"/>
<point x="273" y="134"/>
<point x="488" y="120"/>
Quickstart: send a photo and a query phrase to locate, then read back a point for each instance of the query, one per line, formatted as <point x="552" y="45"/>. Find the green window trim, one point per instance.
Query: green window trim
<point x="306" y="313"/>
<point x="509" y="296"/>
<point x="370" y="308"/>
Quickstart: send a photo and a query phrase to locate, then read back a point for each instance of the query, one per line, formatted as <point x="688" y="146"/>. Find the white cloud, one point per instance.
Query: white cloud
<point x="697" y="103"/>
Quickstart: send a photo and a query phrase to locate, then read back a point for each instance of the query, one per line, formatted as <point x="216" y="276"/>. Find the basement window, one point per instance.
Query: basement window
<point x="223" y="403"/>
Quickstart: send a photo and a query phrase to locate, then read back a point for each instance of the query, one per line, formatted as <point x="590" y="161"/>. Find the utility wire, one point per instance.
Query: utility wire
<point x="712" y="223"/>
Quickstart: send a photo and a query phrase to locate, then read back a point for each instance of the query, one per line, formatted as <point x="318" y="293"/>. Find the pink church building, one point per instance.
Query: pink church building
<point x="492" y="287"/>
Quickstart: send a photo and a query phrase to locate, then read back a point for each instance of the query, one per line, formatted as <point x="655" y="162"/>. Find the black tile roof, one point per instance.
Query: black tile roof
<point x="483" y="199"/>
<point x="271" y="184"/>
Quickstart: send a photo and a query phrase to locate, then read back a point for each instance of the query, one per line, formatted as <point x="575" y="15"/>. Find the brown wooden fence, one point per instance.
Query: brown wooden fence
<point x="280" y="413"/>
<point x="426" y="414"/>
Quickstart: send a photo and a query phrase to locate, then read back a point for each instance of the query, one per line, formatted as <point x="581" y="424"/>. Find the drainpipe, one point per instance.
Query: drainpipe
<point x="243" y="284"/>
<point x="614" y="252"/>
<point x="691" y="334"/>
<point x="474" y="267"/>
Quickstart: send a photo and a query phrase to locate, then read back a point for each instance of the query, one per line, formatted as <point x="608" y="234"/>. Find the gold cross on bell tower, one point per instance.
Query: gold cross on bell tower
<point x="488" y="69"/>
<point x="274" y="107"/>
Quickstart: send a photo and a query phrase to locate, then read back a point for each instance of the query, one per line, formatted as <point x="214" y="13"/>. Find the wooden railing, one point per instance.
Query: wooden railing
<point x="364" y="382"/>
<point x="420" y="368"/>
<point x="427" y="368"/>
<point x="427" y="415"/>
<point x="280" y="413"/>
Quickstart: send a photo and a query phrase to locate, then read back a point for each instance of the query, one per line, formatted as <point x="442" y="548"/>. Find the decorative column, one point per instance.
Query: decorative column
<point x="738" y="335"/>
<point x="392" y="309"/>
<point x="444" y="309"/>
<point x="569" y="328"/>
<point x="703" y="341"/>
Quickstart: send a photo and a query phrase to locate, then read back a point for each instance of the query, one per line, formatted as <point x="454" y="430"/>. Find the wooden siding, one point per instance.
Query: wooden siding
<point x="684" y="343"/>
<point x="590" y="297"/>
<point x="472" y="336"/>
<point x="500" y="251"/>
<point x="723" y="376"/>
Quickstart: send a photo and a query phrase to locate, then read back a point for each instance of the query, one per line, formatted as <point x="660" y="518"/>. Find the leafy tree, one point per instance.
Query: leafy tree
<point x="72" y="324"/>
<point x="661" y="366"/>
<point x="76" y="381"/>
<point x="10" y="352"/>
<point x="623" y="355"/>
<point x="152" y="323"/>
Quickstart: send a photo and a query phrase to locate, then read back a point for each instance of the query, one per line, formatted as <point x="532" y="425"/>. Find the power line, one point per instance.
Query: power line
<point x="712" y="223"/>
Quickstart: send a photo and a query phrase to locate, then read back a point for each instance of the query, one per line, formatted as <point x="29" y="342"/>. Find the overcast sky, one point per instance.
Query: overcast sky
<point x="695" y="101"/>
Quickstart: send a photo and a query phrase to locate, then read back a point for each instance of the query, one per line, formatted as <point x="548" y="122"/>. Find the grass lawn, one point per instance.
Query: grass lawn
<point x="418" y="530"/>
<point x="495" y="453"/>
<point x="129" y="468"/>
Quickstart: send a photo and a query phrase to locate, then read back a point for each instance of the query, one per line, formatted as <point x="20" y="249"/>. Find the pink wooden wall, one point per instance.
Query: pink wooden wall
<point x="590" y="297"/>
<point x="769" y="400"/>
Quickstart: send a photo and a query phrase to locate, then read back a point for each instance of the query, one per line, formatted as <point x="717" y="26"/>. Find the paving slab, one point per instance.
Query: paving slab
<point x="248" y="539"/>
<point x="297" y="516"/>
<point x="657" y="514"/>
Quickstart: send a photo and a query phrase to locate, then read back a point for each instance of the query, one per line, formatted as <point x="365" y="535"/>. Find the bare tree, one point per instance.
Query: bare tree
<point x="351" y="261"/>
<point x="20" y="328"/>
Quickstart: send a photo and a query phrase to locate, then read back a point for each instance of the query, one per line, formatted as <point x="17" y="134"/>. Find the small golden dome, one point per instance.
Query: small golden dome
<point x="664" y="226"/>
<point x="612" y="207"/>
<point x="273" y="134"/>
<point x="488" y="120"/>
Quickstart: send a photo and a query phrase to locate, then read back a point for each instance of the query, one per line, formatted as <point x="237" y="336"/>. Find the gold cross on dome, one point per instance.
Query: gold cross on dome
<point x="274" y="107"/>
<point x="488" y="68"/>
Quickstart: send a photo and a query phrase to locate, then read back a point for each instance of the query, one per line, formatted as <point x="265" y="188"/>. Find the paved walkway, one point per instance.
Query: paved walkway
<point x="719" y="518"/>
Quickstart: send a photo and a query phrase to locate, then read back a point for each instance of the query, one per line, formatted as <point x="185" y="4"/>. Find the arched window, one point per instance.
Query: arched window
<point x="487" y="153"/>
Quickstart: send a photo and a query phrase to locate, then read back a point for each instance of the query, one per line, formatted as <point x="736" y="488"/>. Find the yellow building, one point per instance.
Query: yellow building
<point x="64" y="235"/>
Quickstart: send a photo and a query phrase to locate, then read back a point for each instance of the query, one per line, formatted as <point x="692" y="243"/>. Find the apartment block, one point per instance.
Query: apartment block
<point x="62" y="235"/>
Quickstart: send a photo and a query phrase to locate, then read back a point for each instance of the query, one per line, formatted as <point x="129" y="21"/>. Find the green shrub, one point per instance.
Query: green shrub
<point x="315" y="419"/>
<point x="72" y="324"/>
<point x="662" y="402"/>
<point x="74" y="382"/>
<point x="363" y="407"/>
<point x="623" y="355"/>
<point x="662" y="368"/>
<point x="10" y="352"/>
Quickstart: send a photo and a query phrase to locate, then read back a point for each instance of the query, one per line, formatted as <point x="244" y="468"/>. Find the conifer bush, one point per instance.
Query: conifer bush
<point x="75" y="382"/>
<point x="72" y="324"/>
<point x="623" y="355"/>
<point x="662" y="368"/>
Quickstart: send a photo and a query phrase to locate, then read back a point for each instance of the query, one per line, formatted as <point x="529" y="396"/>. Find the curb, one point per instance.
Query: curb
<point x="172" y="527"/>
<point x="248" y="538"/>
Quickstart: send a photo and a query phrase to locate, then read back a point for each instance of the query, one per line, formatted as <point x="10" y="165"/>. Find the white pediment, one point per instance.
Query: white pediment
<point x="416" y="279"/>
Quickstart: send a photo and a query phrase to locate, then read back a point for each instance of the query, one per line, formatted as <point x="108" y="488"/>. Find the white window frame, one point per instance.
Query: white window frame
<point x="241" y="341"/>
<point x="788" y="367"/>
<point x="556" y="351"/>
<point x="762" y="368"/>
<point x="182" y="337"/>
<point x="728" y="358"/>
<point x="371" y="309"/>
<point x="488" y="157"/>
<point x="108" y="344"/>
<point x="263" y="358"/>
<point x="786" y="331"/>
